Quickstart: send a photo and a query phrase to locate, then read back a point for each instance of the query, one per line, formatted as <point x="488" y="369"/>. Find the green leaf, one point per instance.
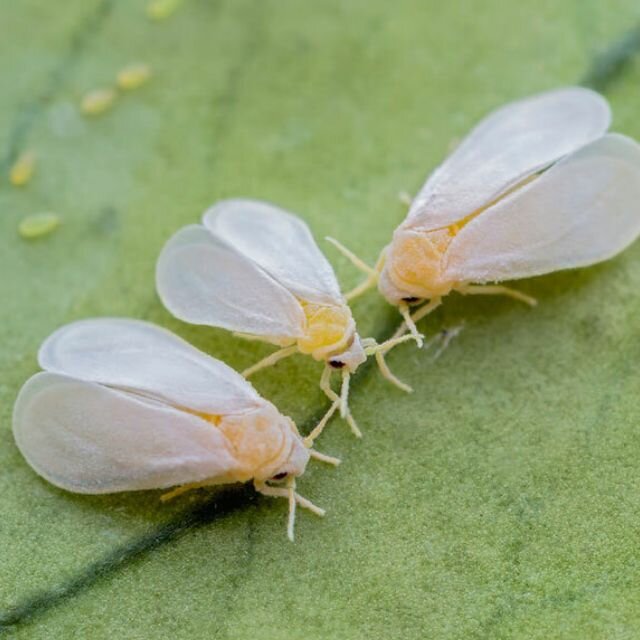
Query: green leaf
<point x="500" y="500"/>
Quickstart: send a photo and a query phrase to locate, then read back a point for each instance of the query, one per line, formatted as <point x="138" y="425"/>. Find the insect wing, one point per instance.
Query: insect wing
<point x="203" y="281"/>
<point x="280" y="243"/>
<point x="507" y="146"/>
<point x="581" y="211"/>
<point x="142" y="357"/>
<point x="88" y="438"/>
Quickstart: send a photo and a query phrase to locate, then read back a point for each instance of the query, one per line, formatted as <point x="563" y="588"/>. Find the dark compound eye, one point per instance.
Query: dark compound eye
<point x="280" y="476"/>
<point x="336" y="364"/>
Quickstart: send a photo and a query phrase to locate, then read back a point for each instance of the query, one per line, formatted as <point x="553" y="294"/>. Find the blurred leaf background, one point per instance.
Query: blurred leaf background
<point x="500" y="500"/>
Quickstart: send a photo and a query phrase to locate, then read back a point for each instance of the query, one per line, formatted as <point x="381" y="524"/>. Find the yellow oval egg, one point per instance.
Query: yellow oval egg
<point x="162" y="9"/>
<point x="22" y="170"/>
<point x="38" y="225"/>
<point x="133" y="76"/>
<point x="97" y="101"/>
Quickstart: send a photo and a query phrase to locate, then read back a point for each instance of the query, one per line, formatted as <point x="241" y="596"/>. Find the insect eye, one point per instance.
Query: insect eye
<point x="280" y="476"/>
<point x="336" y="364"/>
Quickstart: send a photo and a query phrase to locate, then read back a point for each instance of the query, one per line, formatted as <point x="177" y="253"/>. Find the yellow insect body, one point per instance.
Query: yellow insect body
<point x="329" y="330"/>
<point x="414" y="263"/>
<point x="261" y="442"/>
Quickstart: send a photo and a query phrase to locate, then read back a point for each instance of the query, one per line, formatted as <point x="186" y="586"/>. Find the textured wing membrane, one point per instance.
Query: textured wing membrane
<point x="203" y="281"/>
<point x="87" y="438"/>
<point x="507" y="146"/>
<point x="583" y="210"/>
<point x="280" y="243"/>
<point x="141" y="356"/>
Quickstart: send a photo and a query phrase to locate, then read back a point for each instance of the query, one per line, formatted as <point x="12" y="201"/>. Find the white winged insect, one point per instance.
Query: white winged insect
<point x="255" y="269"/>
<point x="536" y="187"/>
<point x="123" y="405"/>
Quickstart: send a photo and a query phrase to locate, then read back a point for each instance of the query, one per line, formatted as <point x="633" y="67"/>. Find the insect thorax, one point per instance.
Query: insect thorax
<point x="261" y="441"/>
<point x="414" y="264"/>
<point x="329" y="329"/>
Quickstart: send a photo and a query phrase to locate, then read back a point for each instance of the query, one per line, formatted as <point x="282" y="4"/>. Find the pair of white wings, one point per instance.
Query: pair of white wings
<point x="245" y="269"/>
<point x="113" y="410"/>
<point x="583" y="209"/>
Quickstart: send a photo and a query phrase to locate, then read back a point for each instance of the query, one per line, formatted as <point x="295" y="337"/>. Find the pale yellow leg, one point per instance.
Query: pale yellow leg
<point x="386" y="373"/>
<point x="403" y="307"/>
<point x="293" y="499"/>
<point x="270" y="360"/>
<point x="400" y="336"/>
<point x="344" y="394"/>
<point x="322" y="457"/>
<point x="497" y="290"/>
<point x="372" y="272"/>
<point x="325" y="385"/>
<point x="291" y="488"/>
<point x="416" y="316"/>
<point x="358" y="263"/>
<point x="319" y="428"/>
<point x="282" y="492"/>
<point x="363" y="287"/>
<point x="371" y="347"/>
<point x="250" y="337"/>
<point x="183" y="488"/>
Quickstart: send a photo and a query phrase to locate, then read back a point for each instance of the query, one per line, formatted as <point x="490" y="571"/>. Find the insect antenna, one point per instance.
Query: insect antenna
<point x="344" y="394"/>
<point x="325" y="385"/>
<point x="291" y="489"/>
<point x="323" y="457"/>
<point x="403" y="307"/>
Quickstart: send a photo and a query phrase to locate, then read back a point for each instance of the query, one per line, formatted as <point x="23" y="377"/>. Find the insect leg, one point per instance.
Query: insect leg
<point x="379" y="351"/>
<point x="270" y="360"/>
<point x="372" y="347"/>
<point x="319" y="428"/>
<point x="324" y="458"/>
<point x="183" y="488"/>
<point x="291" y="489"/>
<point x="293" y="498"/>
<point x="497" y="290"/>
<point x="344" y="394"/>
<point x="372" y="272"/>
<point x="400" y="336"/>
<point x="409" y="324"/>
<point x="386" y="373"/>
<point x="325" y="385"/>
<point x="352" y="257"/>
<point x="282" y="492"/>
<point x="363" y="287"/>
